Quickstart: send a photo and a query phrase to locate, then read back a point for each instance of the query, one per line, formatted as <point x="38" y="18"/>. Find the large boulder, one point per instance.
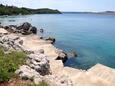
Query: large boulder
<point x="9" y="42"/>
<point x="33" y="30"/>
<point x="40" y="63"/>
<point x="37" y="66"/>
<point x="26" y="28"/>
<point x="51" y="40"/>
<point x="27" y="73"/>
<point x="61" y="55"/>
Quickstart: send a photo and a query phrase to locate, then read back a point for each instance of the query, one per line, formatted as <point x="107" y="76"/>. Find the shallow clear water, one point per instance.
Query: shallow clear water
<point x="91" y="35"/>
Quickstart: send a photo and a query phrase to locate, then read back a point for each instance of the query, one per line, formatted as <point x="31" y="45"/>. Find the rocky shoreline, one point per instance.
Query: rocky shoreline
<point x="45" y="62"/>
<point x="37" y="65"/>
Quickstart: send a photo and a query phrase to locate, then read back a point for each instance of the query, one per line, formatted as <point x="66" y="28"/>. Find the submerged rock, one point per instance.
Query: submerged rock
<point x="41" y="30"/>
<point x="11" y="20"/>
<point x="72" y="54"/>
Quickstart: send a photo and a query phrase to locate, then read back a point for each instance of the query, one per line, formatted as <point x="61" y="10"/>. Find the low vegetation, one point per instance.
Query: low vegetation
<point x="12" y="10"/>
<point x="40" y="84"/>
<point x="9" y="63"/>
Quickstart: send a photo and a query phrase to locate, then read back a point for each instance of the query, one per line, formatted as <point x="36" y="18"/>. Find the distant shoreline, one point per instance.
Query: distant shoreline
<point x="101" y="13"/>
<point x="13" y="10"/>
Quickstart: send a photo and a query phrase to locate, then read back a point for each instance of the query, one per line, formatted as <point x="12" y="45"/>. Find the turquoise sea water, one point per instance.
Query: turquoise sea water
<point x="91" y="35"/>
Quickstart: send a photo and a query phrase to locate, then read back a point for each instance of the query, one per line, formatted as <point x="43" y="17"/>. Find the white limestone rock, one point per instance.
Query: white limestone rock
<point x="27" y="73"/>
<point x="53" y="80"/>
<point x="39" y="62"/>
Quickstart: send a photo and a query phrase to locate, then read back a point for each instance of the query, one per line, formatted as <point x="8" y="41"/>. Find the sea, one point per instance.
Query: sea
<point x="92" y="36"/>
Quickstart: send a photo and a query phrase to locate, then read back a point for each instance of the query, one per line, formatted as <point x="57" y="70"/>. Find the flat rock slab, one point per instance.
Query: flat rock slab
<point x="33" y="42"/>
<point x="103" y="72"/>
<point x="99" y="75"/>
<point x="3" y="31"/>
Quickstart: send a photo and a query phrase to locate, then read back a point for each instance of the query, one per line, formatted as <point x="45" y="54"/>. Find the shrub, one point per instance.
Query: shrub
<point x="9" y="63"/>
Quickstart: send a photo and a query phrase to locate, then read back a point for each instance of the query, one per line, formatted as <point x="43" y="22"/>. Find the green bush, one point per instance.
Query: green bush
<point x="40" y="84"/>
<point x="9" y="63"/>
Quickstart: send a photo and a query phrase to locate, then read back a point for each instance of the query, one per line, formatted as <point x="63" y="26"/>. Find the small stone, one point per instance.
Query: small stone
<point x="41" y="30"/>
<point x="21" y="42"/>
<point x="41" y="51"/>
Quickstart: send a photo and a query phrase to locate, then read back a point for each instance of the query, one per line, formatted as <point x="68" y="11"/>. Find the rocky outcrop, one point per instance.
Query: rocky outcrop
<point x="12" y="42"/>
<point x="25" y="29"/>
<point x="51" y="40"/>
<point x="37" y="66"/>
<point x="37" y="69"/>
<point x="62" y="55"/>
<point x="40" y="63"/>
<point x="26" y="72"/>
<point x="11" y="28"/>
<point x="3" y="32"/>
